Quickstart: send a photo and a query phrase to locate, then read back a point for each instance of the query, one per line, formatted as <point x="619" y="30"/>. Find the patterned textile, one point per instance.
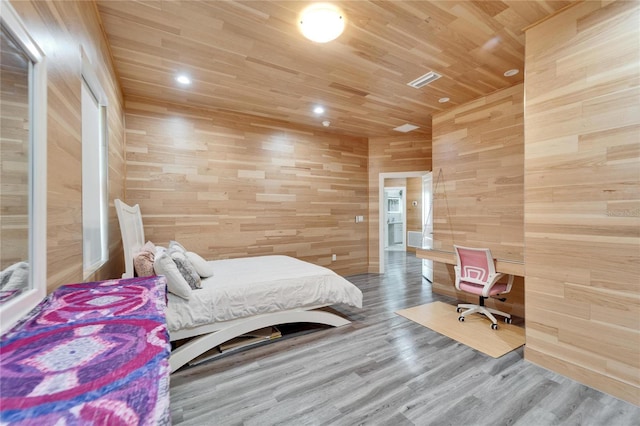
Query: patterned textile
<point x="89" y="354"/>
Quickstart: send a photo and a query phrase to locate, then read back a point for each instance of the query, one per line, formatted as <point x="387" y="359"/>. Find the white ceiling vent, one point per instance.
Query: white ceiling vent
<point x="422" y="81"/>
<point x="405" y="128"/>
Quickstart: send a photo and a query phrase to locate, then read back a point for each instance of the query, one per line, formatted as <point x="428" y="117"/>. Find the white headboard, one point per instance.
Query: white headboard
<point x="132" y="231"/>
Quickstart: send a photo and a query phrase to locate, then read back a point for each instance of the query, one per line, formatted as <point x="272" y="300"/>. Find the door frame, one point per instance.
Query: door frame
<point x="381" y="207"/>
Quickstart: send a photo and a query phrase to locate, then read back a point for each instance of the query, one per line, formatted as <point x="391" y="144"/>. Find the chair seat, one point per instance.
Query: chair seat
<point x="477" y="289"/>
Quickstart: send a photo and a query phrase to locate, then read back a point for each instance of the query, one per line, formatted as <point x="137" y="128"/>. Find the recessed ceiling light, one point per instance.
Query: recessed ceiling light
<point x="321" y="22"/>
<point x="443" y="100"/>
<point x="511" y="73"/>
<point x="405" y="128"/>
<point x="183" y="79"/>
<point x="318" y="110"/>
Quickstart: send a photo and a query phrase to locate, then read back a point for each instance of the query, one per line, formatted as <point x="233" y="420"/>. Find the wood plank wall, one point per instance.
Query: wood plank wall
<point x="478" y="181"/>
<point x="62" y="29"/>
<point x="582" y="187"/>
<point x="227" y="185"/>
<point x="403" y="153"/>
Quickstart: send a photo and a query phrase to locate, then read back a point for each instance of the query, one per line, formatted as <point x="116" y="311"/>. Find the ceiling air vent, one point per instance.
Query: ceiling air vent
<point x="406" y="128"/>
<point x="424" y="80"/>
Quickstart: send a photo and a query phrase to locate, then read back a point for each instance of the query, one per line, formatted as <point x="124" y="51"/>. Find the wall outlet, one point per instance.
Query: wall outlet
<point x="334" y="257"/>
<point x="359" y="219"/>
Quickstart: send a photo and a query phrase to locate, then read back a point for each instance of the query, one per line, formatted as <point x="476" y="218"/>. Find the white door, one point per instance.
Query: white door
<point x="427" y="223"/>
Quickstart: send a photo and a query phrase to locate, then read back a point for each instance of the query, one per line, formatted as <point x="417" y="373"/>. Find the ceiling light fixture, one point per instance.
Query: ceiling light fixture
<point x="183" y="79"/>
<point x="511" y="73"/>
<point x="321" y="22"/>
<point x="443" y="100"/>
<point x="318" y="110"/>
<point x="326" y="123"/>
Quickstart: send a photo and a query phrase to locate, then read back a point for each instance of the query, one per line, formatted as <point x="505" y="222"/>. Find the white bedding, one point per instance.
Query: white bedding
<point x="256" y="285"/>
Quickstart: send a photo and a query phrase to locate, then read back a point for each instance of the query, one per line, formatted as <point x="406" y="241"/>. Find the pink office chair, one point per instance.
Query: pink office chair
<point x="476" y="274"/>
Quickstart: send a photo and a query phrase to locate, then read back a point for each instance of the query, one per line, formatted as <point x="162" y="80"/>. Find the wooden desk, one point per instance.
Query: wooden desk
<point x="504" y="266"/>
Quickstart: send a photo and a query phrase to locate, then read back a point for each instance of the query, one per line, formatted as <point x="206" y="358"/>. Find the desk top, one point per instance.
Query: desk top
<point x="504" y="266"/>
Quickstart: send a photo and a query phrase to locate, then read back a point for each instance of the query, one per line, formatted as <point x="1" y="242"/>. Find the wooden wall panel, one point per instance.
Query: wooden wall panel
<point x="403" y="153"/>
<point x="62" y="29"/>
<point x="478" y="181"/>
<point x="478" y="159"/>
<point x="391" y="182"/>
<point x="582" y="187"/>
<point x="228" y="185"/>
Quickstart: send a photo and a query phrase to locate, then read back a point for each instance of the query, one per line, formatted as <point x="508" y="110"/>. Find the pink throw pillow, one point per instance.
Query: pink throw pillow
<point x="143" y="261"/>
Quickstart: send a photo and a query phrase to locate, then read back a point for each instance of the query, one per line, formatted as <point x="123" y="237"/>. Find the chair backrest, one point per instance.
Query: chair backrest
<point x="475" y="264"/>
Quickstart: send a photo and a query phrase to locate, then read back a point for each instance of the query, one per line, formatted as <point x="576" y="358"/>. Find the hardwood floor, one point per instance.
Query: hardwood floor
<point x="384" y="369"/>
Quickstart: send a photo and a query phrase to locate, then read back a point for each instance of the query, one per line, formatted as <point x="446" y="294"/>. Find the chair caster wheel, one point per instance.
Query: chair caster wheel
<point x="458" y="310"/>
<point x="494" y="326"/>
<point x="507" y="320"/>
<point x="461" y="318"/>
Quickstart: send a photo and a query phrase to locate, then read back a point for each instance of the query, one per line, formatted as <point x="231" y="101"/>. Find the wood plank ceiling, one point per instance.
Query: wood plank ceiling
<point x="249" y="57"/>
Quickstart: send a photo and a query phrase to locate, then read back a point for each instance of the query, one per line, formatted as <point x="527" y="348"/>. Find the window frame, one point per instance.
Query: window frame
<point x="94" y="88"/>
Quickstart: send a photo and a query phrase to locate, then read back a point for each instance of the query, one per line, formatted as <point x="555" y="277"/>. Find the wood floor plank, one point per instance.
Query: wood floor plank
<point x="384" y="369"/>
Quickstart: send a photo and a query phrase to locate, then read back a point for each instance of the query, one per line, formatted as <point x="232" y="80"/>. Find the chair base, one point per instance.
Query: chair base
<point x="487" y="312"/>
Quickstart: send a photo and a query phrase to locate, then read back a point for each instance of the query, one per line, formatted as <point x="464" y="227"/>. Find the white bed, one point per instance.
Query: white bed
<point x="243" y="295"/>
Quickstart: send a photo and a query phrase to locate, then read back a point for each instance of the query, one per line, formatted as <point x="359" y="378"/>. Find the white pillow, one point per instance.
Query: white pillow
<point x="203" y="268"/>
<point x="176" y="284"/>
<point x="174" y="245"/>
<point x="187" y="270"/>
<point x="15" y="277"/>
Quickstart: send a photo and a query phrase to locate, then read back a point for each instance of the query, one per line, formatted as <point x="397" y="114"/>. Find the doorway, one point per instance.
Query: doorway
<point x="382" y="207"/>
<point x="395" y="216"/>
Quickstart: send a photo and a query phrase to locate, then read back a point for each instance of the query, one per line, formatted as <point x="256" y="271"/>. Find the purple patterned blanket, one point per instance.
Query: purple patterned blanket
<point x="89" y="354"/>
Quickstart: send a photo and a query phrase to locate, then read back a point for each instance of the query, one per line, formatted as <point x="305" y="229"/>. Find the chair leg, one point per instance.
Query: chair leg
<point x="497" y="312"/>
<point x="472" y="310"/>
<point x="466" y="305"/>
<point x="487" y="312"/>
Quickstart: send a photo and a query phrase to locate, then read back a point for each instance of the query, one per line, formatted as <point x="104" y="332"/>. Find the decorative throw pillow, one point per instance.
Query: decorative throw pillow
<point x="143" y="261"/>
<point x="176" y="246"/>
<point x="176" y="284"/>
<point x="202" y="267"/>
<point x="186" y="269"/>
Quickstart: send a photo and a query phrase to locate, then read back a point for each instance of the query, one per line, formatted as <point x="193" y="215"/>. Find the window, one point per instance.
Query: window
<point x="94" y="173"/>
<point x="23" y="130"/>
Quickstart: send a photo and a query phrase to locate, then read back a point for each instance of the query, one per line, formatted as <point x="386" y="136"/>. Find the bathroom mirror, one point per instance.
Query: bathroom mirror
<point x="22" y="170"/>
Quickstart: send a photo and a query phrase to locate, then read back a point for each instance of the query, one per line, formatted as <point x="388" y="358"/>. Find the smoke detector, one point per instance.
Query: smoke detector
<point x="422" y="81"/>
<point x="326" y="123"/>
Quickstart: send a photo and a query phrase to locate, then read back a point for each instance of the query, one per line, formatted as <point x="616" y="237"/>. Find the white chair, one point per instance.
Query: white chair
<point x="476" y="274"/>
